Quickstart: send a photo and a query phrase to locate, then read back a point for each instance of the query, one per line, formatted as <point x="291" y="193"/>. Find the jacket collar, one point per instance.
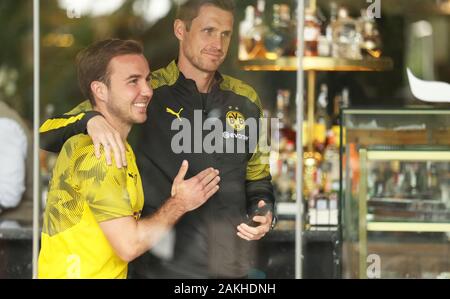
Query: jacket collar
<point x="189" y="83"/>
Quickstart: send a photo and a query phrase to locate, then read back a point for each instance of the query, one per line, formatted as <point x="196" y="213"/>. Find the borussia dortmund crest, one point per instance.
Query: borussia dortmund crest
<point x="236" y="120"/>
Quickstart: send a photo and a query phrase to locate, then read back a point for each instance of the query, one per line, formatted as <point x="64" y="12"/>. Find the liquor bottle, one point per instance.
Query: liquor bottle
<point x="322" y="106"/>
<point x="282" y="184"/>
<point x="285" y="183"/>
<point x="287" y="133"/>
<point x="311" y="161"/>
<point x="331" y="24"/>
<point x="322" y="119"/>
<point x="346" y="36"/>
<point x="323" y="47"/>
<point x="326" y="42"/>
<point x="292" y="49"/>
<point x="340" y="101"/>
<point x="311" y="33"/>
<point x="331" y="159"/>
<point x="371" y="40"/>
<point x="413" y="181"/>
<point x="246" y="42"/>
<point x="278" y="40"/>
<point x="258" y="33"/>
<point x="345" y="98"/>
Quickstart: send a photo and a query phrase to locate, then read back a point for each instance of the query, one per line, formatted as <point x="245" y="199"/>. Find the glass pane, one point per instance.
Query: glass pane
<point x="16" y="131"/>
<point x="70" y="26"/>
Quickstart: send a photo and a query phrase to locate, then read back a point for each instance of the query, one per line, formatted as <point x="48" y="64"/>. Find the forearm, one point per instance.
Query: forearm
<point x="151" y="229"/>
<point x="131" y="238"/>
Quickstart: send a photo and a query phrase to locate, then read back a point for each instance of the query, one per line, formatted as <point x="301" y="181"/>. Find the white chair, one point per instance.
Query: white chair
<point x="429" y="91"/>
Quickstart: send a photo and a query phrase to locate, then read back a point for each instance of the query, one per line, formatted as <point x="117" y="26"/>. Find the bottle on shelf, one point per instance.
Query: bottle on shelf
<point x="246" y="42"/>
<point x="331" y="159"/>
<point x="330" y="26"/>
<point x="283" y="183"/>
<point x="287" y="133"/>
<point x="346" y="36"/>
<point x="311" y="33"/>
<point x="394" y="181"/>
<point x="322" y="119"/>
<point x="345" y="98"/>
<point x="325" y="40"/>
<point x="341" y="100"/>
<point x="412" y="180"/>
<point x="258" y="33"/>
<point x="323" y="46"/>
<point x="311" y="173"/>
<point x="371" y="45"/>
<point x="279" y="40"/>
<point x="292" y="49"/>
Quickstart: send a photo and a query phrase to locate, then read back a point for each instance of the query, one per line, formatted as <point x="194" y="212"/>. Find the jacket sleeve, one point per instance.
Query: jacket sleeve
<point x="259" y="181"/>
<point x="55" y="131"/>
<point x="12" y="159"/>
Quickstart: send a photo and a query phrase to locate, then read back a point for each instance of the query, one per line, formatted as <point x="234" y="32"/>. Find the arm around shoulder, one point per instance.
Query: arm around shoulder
<point x="55" y="131"/>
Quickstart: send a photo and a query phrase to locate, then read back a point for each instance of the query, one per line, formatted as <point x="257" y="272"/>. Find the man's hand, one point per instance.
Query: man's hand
<point x="194" y="192"/>
<point x="249" y="233"/>
<point x="103" y="134"/>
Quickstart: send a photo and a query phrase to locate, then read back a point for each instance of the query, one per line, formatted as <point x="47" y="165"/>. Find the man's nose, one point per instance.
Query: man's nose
<point x="146" y="90"/>
<point x="218" y="42"/>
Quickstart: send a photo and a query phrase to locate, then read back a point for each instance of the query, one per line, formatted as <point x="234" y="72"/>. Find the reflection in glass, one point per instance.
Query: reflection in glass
<point x="66" y="30"/>
<point x="16" y="158"/>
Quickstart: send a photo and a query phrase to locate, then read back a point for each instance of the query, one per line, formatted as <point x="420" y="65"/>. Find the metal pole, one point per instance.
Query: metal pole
<point x="36" y="177"/>
<point x="299" y="176"/>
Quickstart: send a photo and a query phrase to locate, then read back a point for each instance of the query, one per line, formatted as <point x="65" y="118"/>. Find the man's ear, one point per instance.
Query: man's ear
<point x="179" y="28"/>
<point x="99" y="90"/>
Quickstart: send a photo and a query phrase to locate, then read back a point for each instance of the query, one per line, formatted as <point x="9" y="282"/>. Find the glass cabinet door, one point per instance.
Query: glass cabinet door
<point x="396" y="207"/>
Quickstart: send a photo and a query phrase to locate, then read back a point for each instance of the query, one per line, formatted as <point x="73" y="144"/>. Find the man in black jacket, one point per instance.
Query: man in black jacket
<point x="192" y="101"/>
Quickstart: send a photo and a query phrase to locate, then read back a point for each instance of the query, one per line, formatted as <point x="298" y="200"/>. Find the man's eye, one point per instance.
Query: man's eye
<point x="134" y="81"/>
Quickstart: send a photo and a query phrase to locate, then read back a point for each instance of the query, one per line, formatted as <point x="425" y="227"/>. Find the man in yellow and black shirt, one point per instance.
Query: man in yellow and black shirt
<point x="92" y="226"/>
<point x="84" y="192"/>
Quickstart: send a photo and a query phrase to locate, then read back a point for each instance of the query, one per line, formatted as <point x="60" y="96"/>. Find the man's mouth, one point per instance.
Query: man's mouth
<point x="215" y="55"/>
<point x="141" y="104"/>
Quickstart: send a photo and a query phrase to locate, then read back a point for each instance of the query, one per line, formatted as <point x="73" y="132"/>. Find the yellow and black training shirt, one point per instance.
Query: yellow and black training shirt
<point x="83" y="192"/>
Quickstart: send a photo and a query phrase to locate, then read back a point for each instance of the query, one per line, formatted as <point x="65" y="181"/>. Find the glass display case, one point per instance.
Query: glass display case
<point x="395" y="190"/>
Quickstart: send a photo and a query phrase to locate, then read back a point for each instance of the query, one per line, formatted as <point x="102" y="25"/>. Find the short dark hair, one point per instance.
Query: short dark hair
<point x="189" y="10"/>
<point x="93" y="62"/>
